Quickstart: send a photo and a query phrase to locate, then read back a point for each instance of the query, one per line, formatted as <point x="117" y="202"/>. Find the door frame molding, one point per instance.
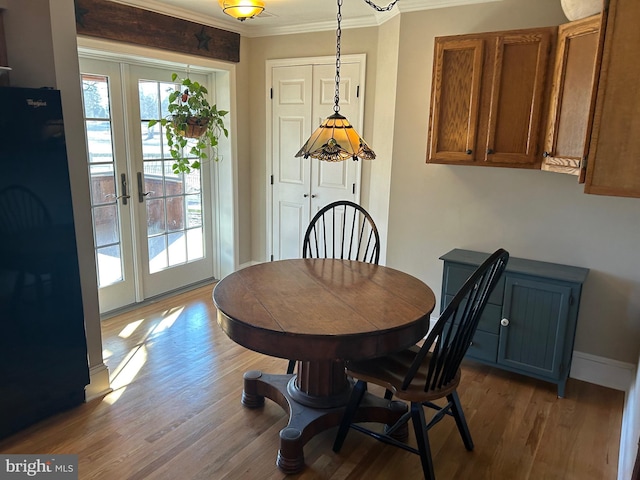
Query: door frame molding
<point x="360" y="58"/>
<point x="224" y="175"/>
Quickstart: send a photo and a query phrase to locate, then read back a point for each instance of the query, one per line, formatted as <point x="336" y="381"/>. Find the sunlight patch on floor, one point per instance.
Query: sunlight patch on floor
<point x="126" y="372"/>
<point x="170" y="317"/>
<point x="130" y="366"/>
<point x="130" y="328"/>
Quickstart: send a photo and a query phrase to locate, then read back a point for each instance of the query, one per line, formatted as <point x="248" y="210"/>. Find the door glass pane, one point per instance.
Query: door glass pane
<point x="109" y="266"/>
<point x="103" y="184"/>
<point x="174" y="201"/>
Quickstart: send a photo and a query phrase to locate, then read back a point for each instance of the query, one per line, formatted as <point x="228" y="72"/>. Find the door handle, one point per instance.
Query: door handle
<point x="142" y="194"/>
<point x="123" y="184"/>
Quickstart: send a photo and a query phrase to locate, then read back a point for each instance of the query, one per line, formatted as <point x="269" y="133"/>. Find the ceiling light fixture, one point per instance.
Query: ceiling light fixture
<point x="335" y="139"/>
<point x="242" y="9"/>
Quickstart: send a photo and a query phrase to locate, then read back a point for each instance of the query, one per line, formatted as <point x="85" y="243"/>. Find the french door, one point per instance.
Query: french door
<point x="152" y="228"/>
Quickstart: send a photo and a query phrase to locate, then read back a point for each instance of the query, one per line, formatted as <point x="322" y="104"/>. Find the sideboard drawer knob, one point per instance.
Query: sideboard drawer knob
<point x="504" y="322"/>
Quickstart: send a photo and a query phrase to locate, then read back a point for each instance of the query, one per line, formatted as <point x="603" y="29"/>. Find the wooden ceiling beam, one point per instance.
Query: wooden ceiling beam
<point x="123" y="23"/>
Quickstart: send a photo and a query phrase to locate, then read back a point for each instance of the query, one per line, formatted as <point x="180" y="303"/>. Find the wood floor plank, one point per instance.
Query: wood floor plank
<point x="175" y="413"/>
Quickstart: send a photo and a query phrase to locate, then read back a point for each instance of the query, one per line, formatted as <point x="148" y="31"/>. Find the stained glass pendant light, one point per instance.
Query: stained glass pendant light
<point x="242" y="9"/>
<point x="336" y="139"/>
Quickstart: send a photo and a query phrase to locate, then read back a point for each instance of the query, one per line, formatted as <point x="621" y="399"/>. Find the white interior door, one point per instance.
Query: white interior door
<point x="302" y="97"/>
<point x="157" y="237"/>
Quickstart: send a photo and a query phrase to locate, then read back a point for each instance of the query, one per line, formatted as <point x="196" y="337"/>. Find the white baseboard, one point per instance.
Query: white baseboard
<point x="602" y="371"/>
<point x="98" y="382"/>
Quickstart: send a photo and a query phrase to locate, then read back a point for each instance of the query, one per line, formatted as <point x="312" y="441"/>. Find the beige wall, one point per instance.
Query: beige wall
<point x="533" y="214"/>
<point x="434" y="208"/>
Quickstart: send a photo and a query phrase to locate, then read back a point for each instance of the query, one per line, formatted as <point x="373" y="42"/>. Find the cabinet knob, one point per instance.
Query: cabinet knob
<point x="546" y="154"/>
<point x="504" y="322"/>
<point x="305" y="195"/>
<point x="469" y="151"/>
<point x="489" y="151"/>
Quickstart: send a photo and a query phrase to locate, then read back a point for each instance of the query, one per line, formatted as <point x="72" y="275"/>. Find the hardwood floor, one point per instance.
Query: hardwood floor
<point x="175" y="413"/>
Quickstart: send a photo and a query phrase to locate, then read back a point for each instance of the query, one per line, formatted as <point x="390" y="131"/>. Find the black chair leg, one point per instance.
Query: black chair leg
<point x="461" y="422"/>
<point x="422" y="439"/>
<point x="354" y="401"/>
<point x="291" y="366"/>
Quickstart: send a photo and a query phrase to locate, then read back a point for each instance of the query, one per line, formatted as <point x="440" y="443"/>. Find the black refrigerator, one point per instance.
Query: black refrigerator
<point x="43" y="349"/>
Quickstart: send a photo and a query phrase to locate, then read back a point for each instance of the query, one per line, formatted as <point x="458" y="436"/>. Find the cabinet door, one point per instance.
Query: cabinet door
<point x="520" y="63"/>
<point x="532" y="336"/>
<point x="572" y="96"/>
<point x="457" y="74"/>
<point x="613" y="165"/>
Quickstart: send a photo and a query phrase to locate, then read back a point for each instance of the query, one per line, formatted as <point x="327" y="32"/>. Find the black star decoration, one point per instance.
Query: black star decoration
<point x="203" y="40"/>
<point x="80" y="13"/>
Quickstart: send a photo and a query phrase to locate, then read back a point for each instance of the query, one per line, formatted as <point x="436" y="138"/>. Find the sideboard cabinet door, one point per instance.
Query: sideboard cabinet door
<point x="534" y="322"/>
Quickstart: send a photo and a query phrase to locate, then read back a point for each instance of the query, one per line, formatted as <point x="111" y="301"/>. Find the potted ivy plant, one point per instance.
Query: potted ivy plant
<point x="191" y="117"/>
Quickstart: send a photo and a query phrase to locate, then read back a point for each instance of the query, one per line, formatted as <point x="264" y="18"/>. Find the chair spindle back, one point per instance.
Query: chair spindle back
<point x="450" y="338"/>
<point x="342" y="230"/>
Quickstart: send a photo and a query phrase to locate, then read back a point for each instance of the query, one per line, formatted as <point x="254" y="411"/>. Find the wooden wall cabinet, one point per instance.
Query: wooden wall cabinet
<point x="487" y="99"/>
<point x="529" y="323"/>
<point x="613" y="163"/>
<point x="572" y="99"/>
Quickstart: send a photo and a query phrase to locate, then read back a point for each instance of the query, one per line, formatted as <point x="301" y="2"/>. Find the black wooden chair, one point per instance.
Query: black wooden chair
<point x="22" y="212"/>
<point x="343" y="230"/>
<point x="420" y="375"/>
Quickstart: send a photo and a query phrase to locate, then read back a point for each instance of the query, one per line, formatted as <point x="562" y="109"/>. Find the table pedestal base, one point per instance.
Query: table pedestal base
<point x="307" y="421"/>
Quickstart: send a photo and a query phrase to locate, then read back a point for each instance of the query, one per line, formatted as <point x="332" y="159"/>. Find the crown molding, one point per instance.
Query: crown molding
<point x="255" y="28"/>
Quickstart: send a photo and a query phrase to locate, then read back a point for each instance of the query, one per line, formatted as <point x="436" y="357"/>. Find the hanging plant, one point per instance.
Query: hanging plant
<point x="191" y="117"/>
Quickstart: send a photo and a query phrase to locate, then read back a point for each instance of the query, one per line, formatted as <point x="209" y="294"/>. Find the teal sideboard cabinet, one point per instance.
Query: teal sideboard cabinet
<point x="529" y="323"/>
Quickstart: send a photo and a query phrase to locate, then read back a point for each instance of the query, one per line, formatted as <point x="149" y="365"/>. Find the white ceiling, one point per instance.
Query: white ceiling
<point x="291" y="16"/>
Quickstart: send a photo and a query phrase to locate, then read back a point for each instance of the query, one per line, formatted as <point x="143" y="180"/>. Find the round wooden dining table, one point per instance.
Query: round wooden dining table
<point x="321" y="313"/>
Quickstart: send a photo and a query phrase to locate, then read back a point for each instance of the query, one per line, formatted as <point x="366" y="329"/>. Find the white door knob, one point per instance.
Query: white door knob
<point x="504" y="322"/>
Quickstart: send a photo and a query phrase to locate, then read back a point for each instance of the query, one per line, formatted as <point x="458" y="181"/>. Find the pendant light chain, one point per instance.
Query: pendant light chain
<point x="336" y="107"/>
<point x="381" y="9"/>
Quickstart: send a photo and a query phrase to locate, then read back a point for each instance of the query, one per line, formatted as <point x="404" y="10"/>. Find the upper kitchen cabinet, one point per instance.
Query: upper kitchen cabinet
<point x="572" y="97"/>
<point x="613" y="166"/>
<point x="488" y="96"/>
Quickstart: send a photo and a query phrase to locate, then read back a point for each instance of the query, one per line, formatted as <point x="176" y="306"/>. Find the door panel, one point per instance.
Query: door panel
<point x="291" y="125"/>
<point x="303" y="96"/>
<point x="516" y="110"/>
<point x="536" y="312"/>
<point x="174" y="210"/>
<point x="333" y="181"/>
<point x="107" y="156"/>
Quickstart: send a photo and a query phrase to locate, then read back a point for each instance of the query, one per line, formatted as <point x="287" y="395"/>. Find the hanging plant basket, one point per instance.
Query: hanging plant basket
<point x="191" y="117"/>
<point x="196" y="127"/>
